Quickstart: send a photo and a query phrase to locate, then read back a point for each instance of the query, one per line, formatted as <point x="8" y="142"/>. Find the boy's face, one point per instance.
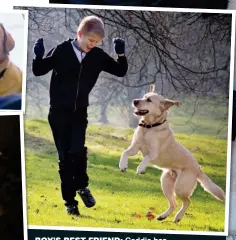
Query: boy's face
<point x="88" y="41"/>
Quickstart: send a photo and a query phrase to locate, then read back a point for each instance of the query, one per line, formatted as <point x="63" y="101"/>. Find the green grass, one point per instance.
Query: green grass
<point x="119" y="195"/>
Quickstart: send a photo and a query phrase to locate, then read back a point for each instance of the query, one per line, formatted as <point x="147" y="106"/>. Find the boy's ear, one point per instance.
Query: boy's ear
<point x="169" y="103"/>
<point x="79" y="33"/>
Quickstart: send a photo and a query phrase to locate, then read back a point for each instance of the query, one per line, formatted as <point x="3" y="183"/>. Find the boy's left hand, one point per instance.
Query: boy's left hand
<point x="119" y="45"/>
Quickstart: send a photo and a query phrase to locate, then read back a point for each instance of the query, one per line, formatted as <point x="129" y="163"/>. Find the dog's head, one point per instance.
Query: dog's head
<point x="152" y="104"/>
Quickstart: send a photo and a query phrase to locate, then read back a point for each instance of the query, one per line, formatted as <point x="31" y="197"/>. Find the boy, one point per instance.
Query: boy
<point x="76" y="65"/>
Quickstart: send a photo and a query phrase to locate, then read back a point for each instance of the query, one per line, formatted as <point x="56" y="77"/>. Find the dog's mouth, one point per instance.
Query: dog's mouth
<point x="139" y="112"/>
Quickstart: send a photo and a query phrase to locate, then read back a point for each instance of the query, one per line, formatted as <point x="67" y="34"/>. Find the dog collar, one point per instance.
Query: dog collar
<point x="2" y="72"/>
<point x="143" y="124"/>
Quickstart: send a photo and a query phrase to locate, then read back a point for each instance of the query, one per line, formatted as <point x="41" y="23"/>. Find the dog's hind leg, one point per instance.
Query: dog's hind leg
<point x="185" y="184"/>
<point x="130" y="151"/>
<point x="168" y="179"/>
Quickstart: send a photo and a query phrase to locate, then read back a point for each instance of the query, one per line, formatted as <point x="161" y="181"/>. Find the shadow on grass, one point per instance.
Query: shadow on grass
<point x="40" y="146"/>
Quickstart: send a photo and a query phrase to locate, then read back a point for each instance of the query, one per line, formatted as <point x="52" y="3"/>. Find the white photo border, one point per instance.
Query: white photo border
<point x="185" y="232"/>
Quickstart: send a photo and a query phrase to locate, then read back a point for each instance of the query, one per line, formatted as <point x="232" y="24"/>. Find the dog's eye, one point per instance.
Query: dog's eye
<point x="149" y="100"/>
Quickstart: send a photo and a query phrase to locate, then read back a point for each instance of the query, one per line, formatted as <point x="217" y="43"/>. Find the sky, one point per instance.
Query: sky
<point x="14" y="23"/>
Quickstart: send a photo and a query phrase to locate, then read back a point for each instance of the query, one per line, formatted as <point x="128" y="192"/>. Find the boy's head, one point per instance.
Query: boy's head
<point x="90" y="32"/>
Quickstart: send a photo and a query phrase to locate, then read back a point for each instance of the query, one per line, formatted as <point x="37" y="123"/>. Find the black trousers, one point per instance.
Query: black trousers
<point x="69" y="130"/>
<point x="234" y="117"/>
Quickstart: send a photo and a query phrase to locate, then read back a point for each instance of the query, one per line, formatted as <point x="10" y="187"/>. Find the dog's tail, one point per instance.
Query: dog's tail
<point x="210" y="187"/>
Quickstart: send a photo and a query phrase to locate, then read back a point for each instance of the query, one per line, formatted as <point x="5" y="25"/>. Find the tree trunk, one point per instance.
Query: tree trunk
<point x="103" y="114"/>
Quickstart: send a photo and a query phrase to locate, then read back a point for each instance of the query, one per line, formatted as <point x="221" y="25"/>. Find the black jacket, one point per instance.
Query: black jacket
<point x="72" y="81"/>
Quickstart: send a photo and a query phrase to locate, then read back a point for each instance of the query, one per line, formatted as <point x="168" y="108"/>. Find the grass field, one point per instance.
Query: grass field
<point x="123" y="199"/>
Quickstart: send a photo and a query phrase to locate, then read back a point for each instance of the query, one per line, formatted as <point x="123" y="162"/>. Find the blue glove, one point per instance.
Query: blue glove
<point x="39" y="48"/>
<point x="119" y="45"/>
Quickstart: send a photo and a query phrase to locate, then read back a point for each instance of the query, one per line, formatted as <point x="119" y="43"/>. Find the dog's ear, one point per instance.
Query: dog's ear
<point x="169" y="103"/>
<point x="152" y="88"/>
<point x="7" y="42"/>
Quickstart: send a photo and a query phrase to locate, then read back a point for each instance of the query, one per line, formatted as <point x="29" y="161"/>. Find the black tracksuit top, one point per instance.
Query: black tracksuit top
<point x="72" y="81"/>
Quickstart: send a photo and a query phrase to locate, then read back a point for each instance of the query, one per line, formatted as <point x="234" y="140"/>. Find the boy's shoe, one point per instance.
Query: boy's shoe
<point x="87" y="197"/>
<point x="73" y="210"/>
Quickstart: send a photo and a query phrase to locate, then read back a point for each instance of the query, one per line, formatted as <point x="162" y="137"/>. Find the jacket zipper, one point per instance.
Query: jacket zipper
<point x="77" y="91"/>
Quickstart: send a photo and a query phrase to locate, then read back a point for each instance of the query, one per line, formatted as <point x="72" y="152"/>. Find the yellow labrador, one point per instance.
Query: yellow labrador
<point x="154" y="138"/>
<point x="10" y="74"/>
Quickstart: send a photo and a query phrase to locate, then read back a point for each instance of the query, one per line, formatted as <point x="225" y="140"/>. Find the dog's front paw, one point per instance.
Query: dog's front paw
<point x="123" y="165"/>
<point x="141" y="169"/>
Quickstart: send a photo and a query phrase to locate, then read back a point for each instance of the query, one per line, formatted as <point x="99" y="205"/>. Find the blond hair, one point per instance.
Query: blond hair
<point x="92" y="24"/>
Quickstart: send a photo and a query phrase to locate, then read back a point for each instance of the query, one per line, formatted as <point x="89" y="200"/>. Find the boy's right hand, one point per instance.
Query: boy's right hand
<point x="39" y="48"/>
<point x="119" y="45"/>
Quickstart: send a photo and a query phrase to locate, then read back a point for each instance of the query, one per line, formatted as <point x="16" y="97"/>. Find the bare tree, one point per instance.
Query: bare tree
<point x="181" y="53"/>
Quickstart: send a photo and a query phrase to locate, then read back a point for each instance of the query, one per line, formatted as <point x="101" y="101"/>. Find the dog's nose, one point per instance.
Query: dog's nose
<point x="135" y="102"/>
